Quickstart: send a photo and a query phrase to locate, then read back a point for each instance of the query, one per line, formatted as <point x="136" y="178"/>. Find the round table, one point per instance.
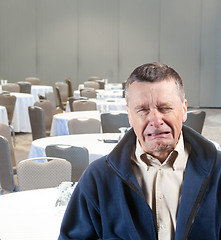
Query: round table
<point x="3" y="115"/>
<point x="30" y="215"/>
<point x="94" y="142"/>
<point x="40" y="89"/>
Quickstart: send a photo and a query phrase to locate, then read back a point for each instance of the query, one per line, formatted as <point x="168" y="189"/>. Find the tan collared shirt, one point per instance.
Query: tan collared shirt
<point x="162" y="185"/>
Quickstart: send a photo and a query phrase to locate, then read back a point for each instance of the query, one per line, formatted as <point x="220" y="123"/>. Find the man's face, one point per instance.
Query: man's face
<point x="156" y="113"/>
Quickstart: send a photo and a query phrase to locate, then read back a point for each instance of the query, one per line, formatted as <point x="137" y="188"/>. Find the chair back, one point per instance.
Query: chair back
<point x="195" y="120"/>
<point x="11" y="87"/>
<point x="49" y="111"/>
<point x="25" y="87"/>
<point x="91" y="84"/>
<point x="51" y="172"/>
<point x="84" y="105"/>
<point x="94" y="78"/>
<point x="37" y="120"/>
<point x="111" y="122"/>
<point x="63" y="89"/>
<point x="6" y="170"/>
<point x="77" y="156"/>
<point x="72" y="99"/>
<point x="5" y="132"/>
<point x="60" y="103"/>
<point x="50" y="96"/>
<point x="88" y="93"/>
<point x="9" y="102"/>
<point x="70" y="90"/>
<point x="79" y="126"/>
<point x="33" y="80"/>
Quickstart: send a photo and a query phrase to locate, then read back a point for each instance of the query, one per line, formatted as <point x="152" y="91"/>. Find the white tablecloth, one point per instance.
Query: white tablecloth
<point x="40" y="89"/>
<point x="93" y="142"/>
<point x="20" y="120"/>
<point x="3" y="115"/>
<point x="101" y="93"/>
<point x="30" y="215"/>
<point x="59" y="125"/>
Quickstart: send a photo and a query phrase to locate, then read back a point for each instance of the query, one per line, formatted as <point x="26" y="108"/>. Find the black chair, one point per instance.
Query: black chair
<point x="195" y="120"/>
<point x="37" y="120"/>
<point x="111" y="122"/>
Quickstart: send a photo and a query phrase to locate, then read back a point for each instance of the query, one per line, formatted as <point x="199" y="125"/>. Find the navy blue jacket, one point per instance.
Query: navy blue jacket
<point x="108" y="202"/>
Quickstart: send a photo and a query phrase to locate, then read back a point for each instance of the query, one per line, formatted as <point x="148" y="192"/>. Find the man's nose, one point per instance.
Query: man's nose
<point x="155" y="118"/>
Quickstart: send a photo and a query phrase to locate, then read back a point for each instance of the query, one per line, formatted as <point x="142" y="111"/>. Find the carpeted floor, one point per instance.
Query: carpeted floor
<point x="211" y="130"/>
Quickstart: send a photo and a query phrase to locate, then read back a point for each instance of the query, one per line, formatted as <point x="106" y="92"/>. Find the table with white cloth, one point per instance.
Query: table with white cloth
<point x="113" y="86"/>
<point x="20" y="119"/>
<point x="98" y="144"/>
<point x="102" y="93"/>
<point x="3" y="115"/>
<point x="59" y="125"/>
<point x="30" y="215"/>
<point x="40" y="90"/>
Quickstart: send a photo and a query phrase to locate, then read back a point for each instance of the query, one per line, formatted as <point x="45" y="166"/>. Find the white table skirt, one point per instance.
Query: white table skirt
<point x="59" y="125"/>
<point x="3" y="115"/>
<point x="40" y="89"/>
<point x="30" y="215"/>
<point x="93" y="142"/>
<point x="20" y="120"/>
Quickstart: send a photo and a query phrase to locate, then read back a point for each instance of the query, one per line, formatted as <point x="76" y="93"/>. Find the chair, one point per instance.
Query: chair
<point x="6" y="170"/>
<point x="37" y="120"/>
<point x="84" y="105"/>
<point x="70" y="90"/>
<point x="51" y="97"/>
<point x="49" y="111"/>
<point x="33" y="80"/>
<point x="9" y="102"/>
<point x="77" y="156"/>
<point x="25" y="87"/>
<point x="51" y="172"/>
<point x="5" y="132"/>
<point x="61" y="104"/>
<point x="195" y="120"/>
<point x="63" y="89"/>
<point x="79" y="126"/>
<point x="88" y="93"/>
<point x="94" y="78"/>
<point x="11" y="87"/>
<point x="111" y="122"/>
<point x="91" y="84"/>
<point x="72" y="99"/>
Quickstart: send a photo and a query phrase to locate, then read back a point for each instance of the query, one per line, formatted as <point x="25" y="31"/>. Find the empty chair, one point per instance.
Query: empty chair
<point x="51" y="172"/>
<point x="84" y="105"/>
<point x="25" y="87"/>
<point x="91" y="84"/>
<point x="77" y="156"/>
<point x="5" y="132"/>
<point x="9" y="102"/>
<point x="63" y="89"/>
<point x="88" y="93"/>
<point x="70" y="90"/>
<point x="79" y="126"/>
<point x="51" y="97"/>
<point x="111" y="122"/>
<point x="37" y="120"/>
<point x="33" y="80"/>
<point x="11" y="87"/>
<point x="195" y="120"/>
<point x="94" y="78"/>
<point x="61" y="104"/>
<point x="7" y="181"/>
<point x="72" y="99"/>
<point x="49" y="111"/>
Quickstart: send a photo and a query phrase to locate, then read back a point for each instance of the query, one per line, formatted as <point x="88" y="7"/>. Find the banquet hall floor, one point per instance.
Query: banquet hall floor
<point x="211" y="130"/>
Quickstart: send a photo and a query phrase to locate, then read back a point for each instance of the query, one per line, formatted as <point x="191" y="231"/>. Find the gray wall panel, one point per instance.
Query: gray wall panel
<point x="18" y="39"/>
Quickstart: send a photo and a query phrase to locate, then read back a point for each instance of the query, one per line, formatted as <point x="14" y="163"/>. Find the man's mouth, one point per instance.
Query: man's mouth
<point x="157" y="134"/>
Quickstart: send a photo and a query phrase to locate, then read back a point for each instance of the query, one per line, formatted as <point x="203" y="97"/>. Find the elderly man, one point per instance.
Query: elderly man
<point x="162" y="180"/>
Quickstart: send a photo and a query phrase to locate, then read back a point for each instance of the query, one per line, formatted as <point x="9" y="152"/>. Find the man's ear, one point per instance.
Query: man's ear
<point x="184" y="110"/>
